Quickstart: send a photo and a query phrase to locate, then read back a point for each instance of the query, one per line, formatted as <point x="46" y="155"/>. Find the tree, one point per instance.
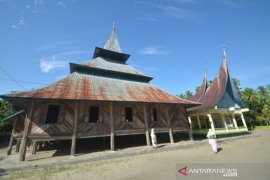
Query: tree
<point x="264" y="99"/>
<point x="5" y="110"/>
<point x="236" y="84"/>
<point x="187" y="95"/>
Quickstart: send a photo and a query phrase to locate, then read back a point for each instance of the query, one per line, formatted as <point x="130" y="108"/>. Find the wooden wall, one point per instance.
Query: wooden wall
<point x="168" y="116"/>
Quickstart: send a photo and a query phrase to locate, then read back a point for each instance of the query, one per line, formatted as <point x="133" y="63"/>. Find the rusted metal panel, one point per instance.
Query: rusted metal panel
<point x="85" y="87"/>
<point x="200" y="93"/>
<point x="113" y="65"/>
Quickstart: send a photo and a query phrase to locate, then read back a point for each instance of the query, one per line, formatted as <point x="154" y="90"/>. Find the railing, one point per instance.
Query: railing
<point x="220" y="131"/>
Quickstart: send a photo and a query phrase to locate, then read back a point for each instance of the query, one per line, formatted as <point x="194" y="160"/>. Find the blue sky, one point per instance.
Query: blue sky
<point x="168" y="40"/>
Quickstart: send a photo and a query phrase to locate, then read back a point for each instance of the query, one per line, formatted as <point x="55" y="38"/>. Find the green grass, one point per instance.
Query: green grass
<point x="262" y="128"/>
<point x="220" y="131"/>
<point x="43" y="174"/>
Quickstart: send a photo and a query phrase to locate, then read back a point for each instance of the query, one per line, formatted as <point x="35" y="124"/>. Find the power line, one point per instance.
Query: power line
<point x="27" y="82"/>
<point x="11" y="78"/>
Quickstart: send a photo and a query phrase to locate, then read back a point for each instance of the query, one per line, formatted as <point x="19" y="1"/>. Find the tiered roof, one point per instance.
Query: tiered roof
<point x="106" y="77"/>
<point x="221" y="93"/>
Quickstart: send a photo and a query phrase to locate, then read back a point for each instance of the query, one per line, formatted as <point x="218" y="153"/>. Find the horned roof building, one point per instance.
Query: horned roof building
<point x="221" y="105"/>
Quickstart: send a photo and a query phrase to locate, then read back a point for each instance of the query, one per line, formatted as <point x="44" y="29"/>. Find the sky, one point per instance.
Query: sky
<point x="169" y="40"/>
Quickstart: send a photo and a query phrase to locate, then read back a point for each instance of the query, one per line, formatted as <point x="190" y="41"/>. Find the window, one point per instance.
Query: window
<point x="128" y="114"/>
<point x="93" y="114"/>
<point x="154" y="114"/>
<point x="52" y="114"/>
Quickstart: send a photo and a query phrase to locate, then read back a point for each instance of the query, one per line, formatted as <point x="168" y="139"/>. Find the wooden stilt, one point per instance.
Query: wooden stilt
<point x="169" y="125"/>
<point x="75" y="130"/>
<point x="11" y="137"/>
<point x="171" y="135"/>
<point x="112" y="126"/>
<point x="18" y="143"/>
<point x="190" y="129"/>
<point x="34" y="150"/>
<point x="25" y="134"/>
<point x="10" y="145"/>
<point x="112" y="141"/>
<point x="146" y="126"/>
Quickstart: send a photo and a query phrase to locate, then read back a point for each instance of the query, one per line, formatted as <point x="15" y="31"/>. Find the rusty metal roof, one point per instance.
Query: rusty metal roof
<point x="200" y="92"/>
<point x="96" y="88"/>
<point x="111" y="64"/>
<point x="221" y="92"/>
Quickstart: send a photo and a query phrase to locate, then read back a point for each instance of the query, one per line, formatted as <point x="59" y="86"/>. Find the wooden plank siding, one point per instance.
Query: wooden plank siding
<point x="63" y="129"/>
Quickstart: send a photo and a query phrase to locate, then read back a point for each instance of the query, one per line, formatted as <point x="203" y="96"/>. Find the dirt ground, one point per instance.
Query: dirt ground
<point x="250" y="156"/>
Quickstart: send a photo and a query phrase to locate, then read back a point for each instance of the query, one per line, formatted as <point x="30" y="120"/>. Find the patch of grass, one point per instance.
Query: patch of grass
<point x="43" y="174"/>
<point x="262" y="128"/>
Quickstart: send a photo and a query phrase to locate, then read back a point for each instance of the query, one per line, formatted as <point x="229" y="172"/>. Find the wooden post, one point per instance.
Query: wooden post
<point x="34" y="150"/>
<point x="112" y="126"/>
<point x="18" y="143"/>
<point x="146" y="126"/>
<point x="190" y="129"/>
<point x="199" y="121"/>
<point x="211" y="123"/>
<point x="224" y="122"/>
<point x="11" y="137"/>
<point x="244" y="121"/>
<point x="169" y="125"/>
<point x="25" y="133"/>
<point x="234" y="122"/>
<point x="75" y="130"/>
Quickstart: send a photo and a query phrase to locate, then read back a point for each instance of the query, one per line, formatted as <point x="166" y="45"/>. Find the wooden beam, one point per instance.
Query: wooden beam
<point x="169" y="125"/>
<point x="75" y="130"/>
<point x="12" y="137"/>
<point x="112" y="126"/>
<point x="26" y="132"/>
<point x="146" y="125"/>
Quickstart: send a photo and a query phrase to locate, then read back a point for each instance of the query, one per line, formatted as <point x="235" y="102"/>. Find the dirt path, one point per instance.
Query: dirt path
<point x="253" y="151"/>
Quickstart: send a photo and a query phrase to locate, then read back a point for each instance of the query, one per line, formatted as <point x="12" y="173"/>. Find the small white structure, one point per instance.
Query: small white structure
<point x="153" y="138"/>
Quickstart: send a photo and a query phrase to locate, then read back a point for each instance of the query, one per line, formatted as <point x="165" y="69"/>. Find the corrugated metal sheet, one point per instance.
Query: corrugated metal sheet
<point x="85" y="87"/>
<point x="112" y="42"/>
<point x="200" y="93"/>
<point x="113" y="65"/>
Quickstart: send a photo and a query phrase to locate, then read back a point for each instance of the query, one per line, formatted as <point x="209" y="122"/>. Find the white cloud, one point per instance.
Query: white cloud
<point x="14" y="26"/>
<point x="153" y="50"/>
<point x="148" y="19"/>
<point x="38" y="2"/>
<point x="48" y="64"/>
<point x="21" y="22"/>
<point x="62" y="4"/>
<point x="172" y="10"/>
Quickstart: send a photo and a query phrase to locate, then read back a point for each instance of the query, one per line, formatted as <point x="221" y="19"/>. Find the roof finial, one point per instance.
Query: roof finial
<point x="113" y="25"/>
<point x="224" y="51"/>
<point x="205" y="69"/>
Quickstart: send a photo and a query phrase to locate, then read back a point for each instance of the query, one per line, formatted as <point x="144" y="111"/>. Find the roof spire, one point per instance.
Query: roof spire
<point x="205" y="69"/>
<point x="224" y="52"/>
<point x="113" y="25"/>
<point x="112" y="43"/>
